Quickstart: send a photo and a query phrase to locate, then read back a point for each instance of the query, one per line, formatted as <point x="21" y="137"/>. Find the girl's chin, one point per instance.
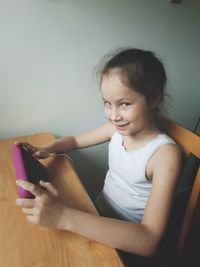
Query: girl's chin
<point x="123" y="132"/>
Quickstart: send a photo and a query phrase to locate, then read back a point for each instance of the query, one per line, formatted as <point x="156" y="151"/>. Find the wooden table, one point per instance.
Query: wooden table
<point x="23" y="244"/>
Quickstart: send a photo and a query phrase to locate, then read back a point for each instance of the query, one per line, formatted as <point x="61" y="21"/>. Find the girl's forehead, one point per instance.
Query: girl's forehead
<point x="113" y="85"/>
<point x="113" y="75"/>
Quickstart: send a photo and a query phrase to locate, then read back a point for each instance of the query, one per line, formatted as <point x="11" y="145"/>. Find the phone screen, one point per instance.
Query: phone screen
<point x="34" y="169"/>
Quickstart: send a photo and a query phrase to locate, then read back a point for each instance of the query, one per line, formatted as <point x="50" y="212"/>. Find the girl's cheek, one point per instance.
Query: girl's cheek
<point x="107" y="113"/>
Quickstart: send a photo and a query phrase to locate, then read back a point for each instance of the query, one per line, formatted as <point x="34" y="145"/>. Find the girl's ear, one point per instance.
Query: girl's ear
<point x="155" y="102"/>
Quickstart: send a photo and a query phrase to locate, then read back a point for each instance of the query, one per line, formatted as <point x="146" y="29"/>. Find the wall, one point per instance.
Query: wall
<point x="48" y="51"/>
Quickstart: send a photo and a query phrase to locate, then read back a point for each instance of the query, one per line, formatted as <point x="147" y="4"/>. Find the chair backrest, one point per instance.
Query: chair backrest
<point x="190" y="142"/>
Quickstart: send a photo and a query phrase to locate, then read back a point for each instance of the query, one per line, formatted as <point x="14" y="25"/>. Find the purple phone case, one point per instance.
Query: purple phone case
<point x="27" y="168"/>
<point x="20" y="170"/>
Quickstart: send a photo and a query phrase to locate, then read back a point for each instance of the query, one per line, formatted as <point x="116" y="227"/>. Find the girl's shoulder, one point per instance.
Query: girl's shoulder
<point x="166" y="160"/>
<point x="164" y="136"/>
<point x="168" y="150"/>
<point x="166" y="145"/>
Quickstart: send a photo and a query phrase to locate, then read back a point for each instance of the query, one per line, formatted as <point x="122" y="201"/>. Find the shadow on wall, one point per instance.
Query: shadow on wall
<point x="91" y="170"/>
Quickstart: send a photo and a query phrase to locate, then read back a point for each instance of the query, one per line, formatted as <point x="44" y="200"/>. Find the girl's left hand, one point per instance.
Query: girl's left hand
<point x="46" y="208"/>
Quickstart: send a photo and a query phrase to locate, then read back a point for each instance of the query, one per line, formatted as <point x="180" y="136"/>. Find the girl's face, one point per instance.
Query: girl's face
<point x="127" y="109"/>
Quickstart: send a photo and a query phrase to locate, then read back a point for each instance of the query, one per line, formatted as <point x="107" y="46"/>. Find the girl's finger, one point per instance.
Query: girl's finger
<point x="35" y="190"/>
<point x="40" y="154"/>
<point x="28" y="211"/>
<point x="26" y="203"/>
<point x="28" y="146"/>
<point x="49" y="187"/>
<point x="32" y="219"/>
<point x="36" y="154"/>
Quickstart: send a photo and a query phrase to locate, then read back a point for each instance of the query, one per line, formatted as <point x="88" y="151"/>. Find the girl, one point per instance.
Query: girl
<point x="144" y="162"/>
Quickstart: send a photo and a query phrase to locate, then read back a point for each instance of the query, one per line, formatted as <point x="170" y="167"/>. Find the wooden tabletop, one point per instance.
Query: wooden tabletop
<point x="23" y="244"/>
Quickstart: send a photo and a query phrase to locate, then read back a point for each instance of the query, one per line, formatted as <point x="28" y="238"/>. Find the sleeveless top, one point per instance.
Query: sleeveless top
<point x="126" y="186"/>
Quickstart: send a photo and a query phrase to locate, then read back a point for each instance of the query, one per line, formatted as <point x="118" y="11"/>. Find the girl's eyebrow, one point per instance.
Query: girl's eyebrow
<point x="104" y="99"/>
<point x="125" y="99"/>
<point x="119" y="100"/>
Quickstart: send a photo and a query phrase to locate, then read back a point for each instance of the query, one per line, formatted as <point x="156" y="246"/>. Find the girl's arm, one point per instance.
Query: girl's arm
<point x="141" y="238"/>
<point x="69" y="143"/>
<point x="91" y="138"/>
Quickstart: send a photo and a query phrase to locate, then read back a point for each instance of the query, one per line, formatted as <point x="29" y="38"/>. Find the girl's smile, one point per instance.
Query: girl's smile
<point x="121" y="127"/>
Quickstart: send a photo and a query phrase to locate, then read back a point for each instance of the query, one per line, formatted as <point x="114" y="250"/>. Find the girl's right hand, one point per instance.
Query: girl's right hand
<point x="37" y="152"/>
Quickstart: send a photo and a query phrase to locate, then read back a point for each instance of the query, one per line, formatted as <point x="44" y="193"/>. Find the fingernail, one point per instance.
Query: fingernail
<point x="18" y="181"/>
<point x="18" y="201"/>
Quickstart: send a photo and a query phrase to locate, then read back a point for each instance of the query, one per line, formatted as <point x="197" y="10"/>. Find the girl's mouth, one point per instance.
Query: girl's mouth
<point x="121" y="126"/>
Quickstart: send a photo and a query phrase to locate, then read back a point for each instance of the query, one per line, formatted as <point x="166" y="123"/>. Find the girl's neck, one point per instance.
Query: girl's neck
<point x="140" y="138"/>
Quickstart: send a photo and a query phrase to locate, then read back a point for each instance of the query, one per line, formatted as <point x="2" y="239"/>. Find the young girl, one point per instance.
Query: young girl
<point x="144" y="162"/>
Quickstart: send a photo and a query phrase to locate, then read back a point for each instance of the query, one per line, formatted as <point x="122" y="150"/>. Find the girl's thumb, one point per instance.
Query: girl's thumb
<point x="49" y="187"/>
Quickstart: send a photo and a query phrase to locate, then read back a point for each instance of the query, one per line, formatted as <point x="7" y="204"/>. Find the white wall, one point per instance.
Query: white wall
<point x="49" y="48"/>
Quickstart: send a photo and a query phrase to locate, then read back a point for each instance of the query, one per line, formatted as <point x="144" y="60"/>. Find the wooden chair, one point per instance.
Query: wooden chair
<point x="183" y="233"/>
<point x="188" y="235"/>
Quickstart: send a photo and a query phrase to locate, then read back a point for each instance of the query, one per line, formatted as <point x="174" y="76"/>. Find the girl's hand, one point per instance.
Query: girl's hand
<point x="46" y="208"/>
<point x="37" y="152"/>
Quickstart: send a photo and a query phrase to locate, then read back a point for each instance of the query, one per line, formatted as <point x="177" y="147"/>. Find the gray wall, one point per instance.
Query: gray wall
<point x="49" y="48"/>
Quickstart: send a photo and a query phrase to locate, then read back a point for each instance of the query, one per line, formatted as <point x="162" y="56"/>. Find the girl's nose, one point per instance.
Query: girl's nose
<point x="115" y="115"/>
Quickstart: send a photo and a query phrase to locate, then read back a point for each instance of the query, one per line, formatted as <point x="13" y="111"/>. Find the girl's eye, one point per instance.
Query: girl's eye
<point x="107" y="104"/>
<point x="125" y="104"/>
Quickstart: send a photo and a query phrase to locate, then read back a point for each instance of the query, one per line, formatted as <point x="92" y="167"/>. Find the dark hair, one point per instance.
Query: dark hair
<point x="143" y="72"/>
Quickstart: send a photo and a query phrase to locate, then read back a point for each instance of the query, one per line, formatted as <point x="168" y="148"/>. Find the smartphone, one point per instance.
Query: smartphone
<point x="27" y="168"/>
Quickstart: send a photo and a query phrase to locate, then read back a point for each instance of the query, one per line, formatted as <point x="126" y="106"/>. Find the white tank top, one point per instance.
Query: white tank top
<point x="126" y="186"/>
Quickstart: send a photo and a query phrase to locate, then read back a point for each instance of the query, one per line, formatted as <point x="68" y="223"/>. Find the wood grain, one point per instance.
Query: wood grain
<point x="23" y="244"/>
